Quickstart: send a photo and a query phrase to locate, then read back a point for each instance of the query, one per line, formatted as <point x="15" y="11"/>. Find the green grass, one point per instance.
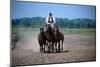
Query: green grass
<point x="14" y="30"/>
<point x="66" y="31"/>
<point x="79" y="31"/>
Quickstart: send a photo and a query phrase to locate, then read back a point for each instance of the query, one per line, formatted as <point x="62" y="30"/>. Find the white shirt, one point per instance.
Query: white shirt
<point x="54" y="21"/>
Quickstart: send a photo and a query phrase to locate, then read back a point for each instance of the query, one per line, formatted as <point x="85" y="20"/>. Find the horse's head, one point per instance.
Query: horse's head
<point x="49" y="28"/>
<point x="41" y="30"/>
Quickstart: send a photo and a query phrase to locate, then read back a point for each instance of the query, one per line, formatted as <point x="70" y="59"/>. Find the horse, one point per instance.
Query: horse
<point x="59" y="38"/>
<point x="42" y="40"/>
<point x="50" y="38"/>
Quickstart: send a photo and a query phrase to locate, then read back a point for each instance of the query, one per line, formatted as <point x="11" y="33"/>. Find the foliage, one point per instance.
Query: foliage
<point x="36" y="22"/>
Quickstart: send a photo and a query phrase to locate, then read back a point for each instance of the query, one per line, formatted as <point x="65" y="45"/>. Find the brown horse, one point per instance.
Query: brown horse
<point x="42" y="40"/>
<point x="59" y="38"/>
<point x="50" y="38"/>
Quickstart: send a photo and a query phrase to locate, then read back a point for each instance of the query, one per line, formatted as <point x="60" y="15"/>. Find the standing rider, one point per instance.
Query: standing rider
<point x="50" y="20"/>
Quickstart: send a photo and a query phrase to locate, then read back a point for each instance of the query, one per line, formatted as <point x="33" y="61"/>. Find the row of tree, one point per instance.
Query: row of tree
<point x="36" y="22"/>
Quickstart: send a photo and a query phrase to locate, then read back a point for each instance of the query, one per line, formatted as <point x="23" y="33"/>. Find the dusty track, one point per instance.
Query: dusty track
<point x="80" y="48"/>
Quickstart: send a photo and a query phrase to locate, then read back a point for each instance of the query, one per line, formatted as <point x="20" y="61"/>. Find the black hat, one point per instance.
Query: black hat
<point x="50" y="14"/>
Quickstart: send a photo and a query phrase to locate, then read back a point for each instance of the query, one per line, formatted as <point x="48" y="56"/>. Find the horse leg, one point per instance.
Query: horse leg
<point x="56" y="46"/>
<point x="48" y="47"/>
<point x="40" y="48"/>
<point x="62" y="45"/>
<point x="59" y="46"/>
<point x="44" y="47"/>
<point x="52" y="45"/>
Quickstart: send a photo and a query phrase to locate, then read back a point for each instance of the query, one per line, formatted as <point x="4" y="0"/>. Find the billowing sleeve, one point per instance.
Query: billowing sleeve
<point x="54" y="20"/>
<point x="47" y="20"/>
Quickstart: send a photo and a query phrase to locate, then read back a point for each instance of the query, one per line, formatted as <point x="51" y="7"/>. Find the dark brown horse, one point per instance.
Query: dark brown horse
<point x="59" y="38"/>
<point x="42" y="40"/>
<point x="50" y="38"/>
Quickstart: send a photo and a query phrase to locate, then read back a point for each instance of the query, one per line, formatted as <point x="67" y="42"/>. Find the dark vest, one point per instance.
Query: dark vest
<point x="51" y="20"/>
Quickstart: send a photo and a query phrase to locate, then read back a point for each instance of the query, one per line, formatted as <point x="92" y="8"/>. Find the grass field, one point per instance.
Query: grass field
<point x="64" y="30"/>
<point x="79" y="31"/>
<point x="25" y="32"/>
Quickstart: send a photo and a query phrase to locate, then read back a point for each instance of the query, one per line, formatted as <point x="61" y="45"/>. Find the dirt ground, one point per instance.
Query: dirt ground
<point x="77" y="48"/>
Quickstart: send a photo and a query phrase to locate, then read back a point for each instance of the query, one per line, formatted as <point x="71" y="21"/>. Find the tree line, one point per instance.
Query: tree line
<point x="36" y="22"/>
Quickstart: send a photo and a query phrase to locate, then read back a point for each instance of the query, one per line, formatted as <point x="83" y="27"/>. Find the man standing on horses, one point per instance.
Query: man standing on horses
<point x="50" y="20"/>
